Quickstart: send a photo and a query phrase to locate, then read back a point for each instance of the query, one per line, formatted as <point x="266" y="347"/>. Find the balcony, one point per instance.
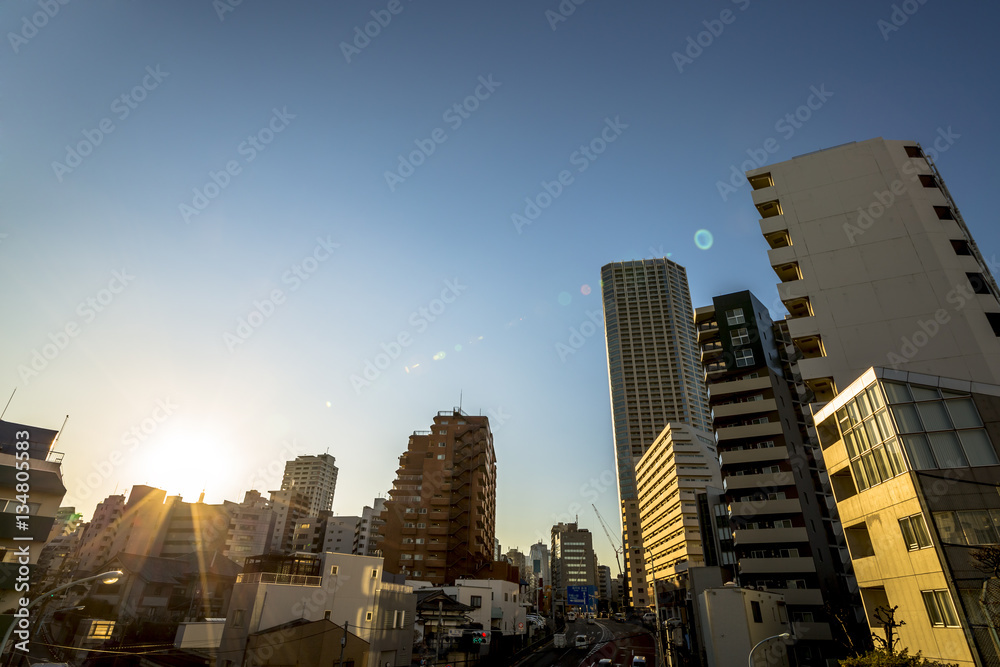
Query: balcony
<point x="749" y="431"/>
<point x="711" y="350"/>
<point x="797" y="308"/>
<point x="764" y="194"/>
<point x="753" y="455"/>
<point x="770" y="535"/>
<point x="760" y="481"/>
<point x="787" y="272"/>
<point x="800" y="596"/>
<point x="746" y="408"/>
<point x="707" y="330"/>
<point x="781" y="255"/>
<point x="778" y="239"/>
<point x="776" y="565"/>
<point x="772" y="225"/>
<point x="766" y="507"/>
<point x="801" y="327"/>
<point x="275" y="578"/>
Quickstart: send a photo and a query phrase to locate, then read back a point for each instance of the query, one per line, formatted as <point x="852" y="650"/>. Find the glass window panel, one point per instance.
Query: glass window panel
<point x="908" y="537"/>
<point x="896" y="461"/>
<point x="954" y="394"/>
<point x="873" y="433"/>
<point x="861" y="437"/>
<point x="947" y="608"/>
<point x="851" y="443"/>
<point x="919" y="452"/>
<point x="852" y="412"/>
<point x="933" y="611"/>
<point x="859" y="475"/>
<point x="963" y="412"/>
<point x="871" y="470"/>
<point x="934" y="416"/>
<point x="884" y="423"/>
<point x="924" y="393"/>
<point x="875" y="397"/>
<point x="842" y="419"/>
<point x="862" y="401"/>
<point x="947" y="451"/>
<point x="978" y="448"/>
<point x="977" y="526"/>
<point x="920" y="530"/>
<point x="896" y="393"/>
<point x="882" y="463"/>
<point x="948" y="528"/>
<point x="995" y="517"/>
<point x="906" y="419"/>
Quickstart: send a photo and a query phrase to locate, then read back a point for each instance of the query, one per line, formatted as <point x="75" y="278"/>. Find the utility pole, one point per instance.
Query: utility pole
<point x="437" y="651"/>
<point x="343" y="645"/>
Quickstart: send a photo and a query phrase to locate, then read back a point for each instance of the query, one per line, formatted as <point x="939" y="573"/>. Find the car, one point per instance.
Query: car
<point x="638" y="661"/>
<point x="620" y="617"/>
<point x="571" y="617"/>
<point x="590" y="619"/>
<point x="581" y="642"/>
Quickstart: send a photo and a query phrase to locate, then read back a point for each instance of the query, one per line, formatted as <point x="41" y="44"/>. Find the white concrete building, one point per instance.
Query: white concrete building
<point x="734" y="620"/>
<point x="369" y="528"/>
<point x="339" y="535"/>
<point x="315" y="477"/>
<point x="346" y="589"/>
<point x="877" y="266"/>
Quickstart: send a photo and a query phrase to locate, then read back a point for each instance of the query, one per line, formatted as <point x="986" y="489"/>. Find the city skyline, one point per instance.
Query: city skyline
<point x="230" y="271"/>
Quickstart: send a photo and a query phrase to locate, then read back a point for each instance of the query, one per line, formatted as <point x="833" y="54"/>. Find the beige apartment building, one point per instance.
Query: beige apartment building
<point x="914" y="464"/>
<point x="681" y="463"/>
<point x="877" y="266"/>
<point x="655" y="378"/>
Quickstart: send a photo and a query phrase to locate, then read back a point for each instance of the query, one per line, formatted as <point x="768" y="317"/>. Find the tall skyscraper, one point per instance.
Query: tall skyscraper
<point x="877" y="266"/>
<point x="441" y="515"/>
<point x="315" y="477"/>
<point x="654" y="373"/>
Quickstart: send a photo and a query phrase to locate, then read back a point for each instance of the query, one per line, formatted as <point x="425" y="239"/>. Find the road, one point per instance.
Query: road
<point x="605" y="639"/>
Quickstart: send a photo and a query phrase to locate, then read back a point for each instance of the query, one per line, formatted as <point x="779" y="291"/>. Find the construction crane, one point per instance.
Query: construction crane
<point x="607" y="532"/>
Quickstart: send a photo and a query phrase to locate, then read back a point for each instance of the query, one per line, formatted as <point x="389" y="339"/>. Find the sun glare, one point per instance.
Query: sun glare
<point x="185" y="463"/>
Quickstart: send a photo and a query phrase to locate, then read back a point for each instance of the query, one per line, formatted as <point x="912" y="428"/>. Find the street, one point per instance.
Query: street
<point x="618" y="642"/>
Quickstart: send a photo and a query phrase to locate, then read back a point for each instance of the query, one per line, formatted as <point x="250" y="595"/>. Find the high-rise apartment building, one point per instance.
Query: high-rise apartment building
<point x="315" y="477"/>
<point x="681" y="463"/>
<point x="441" y="515"/>
<point x="368" y="529"/>
<point x="877" y="266"/>
<point x="655" y="379"/>
<point x="95" y="543"/>
<point x="251" y="525"/>
<point x="573" y="562"/>
<point x="782" y="528"/>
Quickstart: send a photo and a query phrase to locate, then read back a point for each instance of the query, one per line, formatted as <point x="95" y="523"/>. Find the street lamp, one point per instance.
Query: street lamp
<point x="783" y="635"/>
<point x="105" y="577"/>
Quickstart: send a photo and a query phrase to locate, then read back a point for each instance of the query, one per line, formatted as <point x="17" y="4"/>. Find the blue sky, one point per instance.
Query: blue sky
<point x="138" y="285"/>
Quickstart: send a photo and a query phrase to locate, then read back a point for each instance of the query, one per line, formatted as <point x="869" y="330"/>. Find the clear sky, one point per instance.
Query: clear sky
<point x="171" y="169"/>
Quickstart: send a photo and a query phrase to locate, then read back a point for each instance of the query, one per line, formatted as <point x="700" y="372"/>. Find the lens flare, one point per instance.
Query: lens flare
<point x="565" y="298"/>
<point x="703" y="239"/>
<point x="439" y="356"/>
<point x="585" y="290"/>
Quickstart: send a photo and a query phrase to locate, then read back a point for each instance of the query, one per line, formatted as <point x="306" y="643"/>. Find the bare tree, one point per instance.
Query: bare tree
<point x="886" y="617"/>
<point x="988" y="559"/>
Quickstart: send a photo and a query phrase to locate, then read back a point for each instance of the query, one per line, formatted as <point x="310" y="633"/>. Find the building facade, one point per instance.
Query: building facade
<point x="315" y="477"/>
<point x="877" y="266"/>
<point x="654" y="377"/>
<point x="251" y="527"/>
<point x="914" y="464"/>
<point x="441" y="515"/>
<point x="573" y="562"/>
<point x="368" y="528"/>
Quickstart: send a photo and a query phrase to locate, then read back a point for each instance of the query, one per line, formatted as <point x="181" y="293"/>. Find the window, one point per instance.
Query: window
<point x="101" y="629"/>
<point x="913" y="151"/>
<point x="440" y="457"/>
<point x="744" y="357"/>
<point x="238" y="618"/>
<point x="476" y="601"/>
<point x="928" y="181"/>
<point x="755" y="608"/>
<point x="333" y="570"/>
<point x="994" y="320"/>
<point x="915" y="532"/>
<point x="368" y="616"/>
<point x="940" y="608"/>
<point x="374" y="572"/>
<point x="740" y="336"/>
<point x="979" y="284"/>
<point x="734" y="317"/>
<point x="944" y="213"/>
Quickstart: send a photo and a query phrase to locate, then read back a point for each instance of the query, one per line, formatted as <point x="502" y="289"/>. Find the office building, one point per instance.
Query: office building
<point x="914" y="464"/>
<point x="654" y="377"/>
<point x="339" y="532"/>
<point x="681" y="463"/>
<point x="877" y="266"/>
<point x="251" y="527"/>
<point x="441" y="514"/>
<point x="315" y="477"/>
<point x="573" y="565"/>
